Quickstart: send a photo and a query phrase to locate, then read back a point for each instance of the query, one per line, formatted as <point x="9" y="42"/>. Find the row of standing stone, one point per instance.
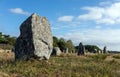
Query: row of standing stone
<point x="81" y="49"/>
<point x="36" y="40"/>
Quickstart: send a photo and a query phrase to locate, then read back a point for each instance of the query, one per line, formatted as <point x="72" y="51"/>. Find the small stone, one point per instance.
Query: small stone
<point x="56" y="51"/>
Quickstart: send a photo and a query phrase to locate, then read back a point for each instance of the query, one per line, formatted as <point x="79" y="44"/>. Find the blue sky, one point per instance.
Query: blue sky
<point x="88" y="21"/>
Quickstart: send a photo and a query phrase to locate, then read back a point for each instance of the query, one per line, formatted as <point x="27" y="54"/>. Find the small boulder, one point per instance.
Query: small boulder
<point x="56" y="51"/>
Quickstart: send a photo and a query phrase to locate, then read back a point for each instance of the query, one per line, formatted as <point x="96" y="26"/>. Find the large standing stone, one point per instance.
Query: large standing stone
<point x="81" y="49"/>
<point x="35" y="39"/>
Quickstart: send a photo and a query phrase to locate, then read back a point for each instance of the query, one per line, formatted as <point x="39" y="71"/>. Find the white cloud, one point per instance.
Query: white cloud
<point x="106" y="21"/>
<point x="19" y="11"/>
<point x="65" y="18"/>
<point x="107" y="15"/>
<point x="98" y="27"/>
<point x="94" y="13"/>
<point x="82" y="31"/>
<point x="108" y="37"/>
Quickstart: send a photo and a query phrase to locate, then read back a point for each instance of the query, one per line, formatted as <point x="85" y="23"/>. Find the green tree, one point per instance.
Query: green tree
<point x="6" y="39"/>
<point x="0" y="34"/>
<point x="2" y="39"/>
<point x="6" y="36"/>
<point x="91" y="48"/>
<point x="55" y="41"/>
<point x="62" y="44"/>
<point x="11" y="41"/>
<point x="70" y="46"/>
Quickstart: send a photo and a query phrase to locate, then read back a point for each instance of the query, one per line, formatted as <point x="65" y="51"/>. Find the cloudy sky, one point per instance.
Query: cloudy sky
<point x="89" y="21"/>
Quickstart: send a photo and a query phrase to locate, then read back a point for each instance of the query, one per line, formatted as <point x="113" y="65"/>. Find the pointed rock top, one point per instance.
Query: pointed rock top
<point x="34" y="15"/>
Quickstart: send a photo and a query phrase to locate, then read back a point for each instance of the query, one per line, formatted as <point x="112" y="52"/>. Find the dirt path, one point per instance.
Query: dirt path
<point x="109" y="58"/>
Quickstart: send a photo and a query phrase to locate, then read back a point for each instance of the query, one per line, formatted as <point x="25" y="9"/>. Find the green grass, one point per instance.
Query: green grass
<point x="116" y="56"/>
<point x="98" y="57"/>
<point x="67" y="66"/>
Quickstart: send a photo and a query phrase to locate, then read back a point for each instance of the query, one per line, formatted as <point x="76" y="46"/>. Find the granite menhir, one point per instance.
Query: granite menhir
<point x="35" y="40"/>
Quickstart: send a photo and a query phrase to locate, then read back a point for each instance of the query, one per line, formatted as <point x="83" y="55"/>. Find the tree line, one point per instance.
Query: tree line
<point x="57" y="42"/>
<point x="63" y="44"/>
<point x="7" y="39"/>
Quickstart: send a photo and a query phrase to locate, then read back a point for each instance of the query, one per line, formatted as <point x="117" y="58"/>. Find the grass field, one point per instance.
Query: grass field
<point x="98" y="65"/>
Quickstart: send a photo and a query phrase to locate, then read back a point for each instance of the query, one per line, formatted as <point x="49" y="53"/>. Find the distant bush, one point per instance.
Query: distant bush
<point x="3" y="41"/>
<point x="91" y="48"/>
<point x="63" y="44"/>
<point x="7" y="39"/>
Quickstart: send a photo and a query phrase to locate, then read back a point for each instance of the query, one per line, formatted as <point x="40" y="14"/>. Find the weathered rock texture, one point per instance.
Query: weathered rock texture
<point x="35" y="39"/>
<point x="56" y="51"/>
<point x="81" y="49"/>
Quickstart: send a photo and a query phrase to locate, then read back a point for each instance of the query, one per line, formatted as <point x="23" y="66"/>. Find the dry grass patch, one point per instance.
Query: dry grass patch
<point x="6" y="55"/>
<point x="66" y="66"/>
